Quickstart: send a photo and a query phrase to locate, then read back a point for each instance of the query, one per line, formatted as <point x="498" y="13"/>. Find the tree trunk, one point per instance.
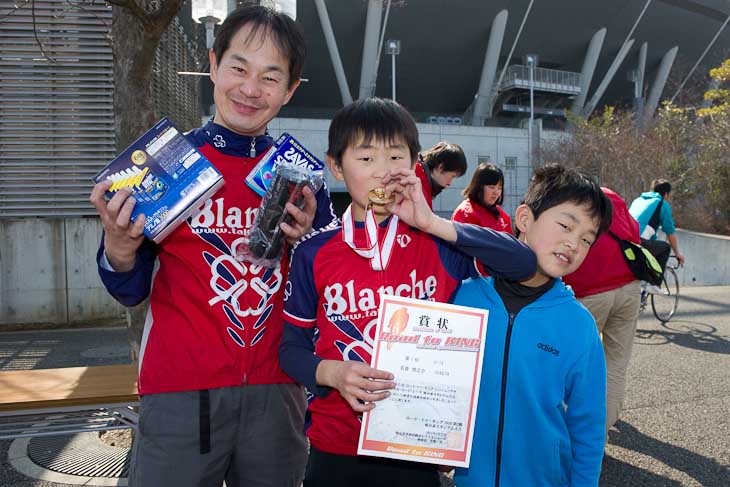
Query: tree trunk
<point x="136" y="33"/>
<point x="134" y="54"/>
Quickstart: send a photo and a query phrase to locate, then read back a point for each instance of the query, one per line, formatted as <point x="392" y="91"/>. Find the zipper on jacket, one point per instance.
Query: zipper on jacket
<point x="505" y="362"/>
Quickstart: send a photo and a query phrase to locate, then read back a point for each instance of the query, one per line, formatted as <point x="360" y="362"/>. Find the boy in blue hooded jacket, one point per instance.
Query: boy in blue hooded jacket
<point x="542" y="403"/>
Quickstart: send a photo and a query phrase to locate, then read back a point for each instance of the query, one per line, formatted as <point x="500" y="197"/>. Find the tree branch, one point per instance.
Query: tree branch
<point x="137" y="11"/>
<point x="162" y="18"/>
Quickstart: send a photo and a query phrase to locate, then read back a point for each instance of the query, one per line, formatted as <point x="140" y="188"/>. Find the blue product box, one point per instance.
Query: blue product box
<point x="286" y="150"/>
<point x="168" y="177"/>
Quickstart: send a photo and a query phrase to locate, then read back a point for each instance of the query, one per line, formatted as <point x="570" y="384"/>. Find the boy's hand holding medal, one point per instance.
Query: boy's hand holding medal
<point x="408" y="203"/>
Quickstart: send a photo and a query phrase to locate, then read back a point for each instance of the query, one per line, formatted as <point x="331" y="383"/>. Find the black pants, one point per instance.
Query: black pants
<point x="330" y="470"/>
<point x="659" y="248"/>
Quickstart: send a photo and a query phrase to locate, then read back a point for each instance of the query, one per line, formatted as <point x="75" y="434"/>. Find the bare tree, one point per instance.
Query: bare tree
<point x="691" y="151"/>
<point x="137" y="27"/>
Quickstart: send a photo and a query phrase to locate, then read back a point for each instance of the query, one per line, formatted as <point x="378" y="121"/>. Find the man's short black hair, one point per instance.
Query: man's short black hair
<point x="286" y="33"/>
<point x="661" y="186"/>
<point x="371" y="119"/>
<point x="449" y="156"/>
<point x="553" y="185"/>
<point x="486" y="174"/>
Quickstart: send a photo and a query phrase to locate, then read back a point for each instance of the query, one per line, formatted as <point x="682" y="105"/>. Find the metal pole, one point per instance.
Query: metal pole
<point x="659" y="81"/>
<point x="380" y="46"/>
<point x="591" y="105"/>
<point x="642" y="68"/>
<point x="370" y="49"/>
<point x="622" y="52"/>
<point x="329" y="37"/>
<point x="209" y="38"/>
<point x="532" y="111"/>
<point x="392" y="64"/>
<point x="514" y="44"/>
<point x="489" y="69"/>
<point x="494" y="94"/>
<point x="589" y="67"/>
<point x="210" y="23"/>
<point x="639" y="87"/>
<point x="700" y="59"/>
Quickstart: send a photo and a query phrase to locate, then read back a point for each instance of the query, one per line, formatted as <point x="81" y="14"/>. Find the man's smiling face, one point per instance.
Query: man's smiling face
<point x="251" y="82"/>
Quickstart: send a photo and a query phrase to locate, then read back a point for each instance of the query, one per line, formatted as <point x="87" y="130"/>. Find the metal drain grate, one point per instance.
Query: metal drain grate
<point x="80" y="454"/>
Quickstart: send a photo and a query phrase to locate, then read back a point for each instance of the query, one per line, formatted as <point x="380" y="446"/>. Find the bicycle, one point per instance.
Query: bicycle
<point x="664" y="305"/>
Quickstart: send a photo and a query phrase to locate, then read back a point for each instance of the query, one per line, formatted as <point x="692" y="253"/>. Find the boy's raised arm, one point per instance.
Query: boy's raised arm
<point x="412" y="207"/>
<point x="501" y="253"/>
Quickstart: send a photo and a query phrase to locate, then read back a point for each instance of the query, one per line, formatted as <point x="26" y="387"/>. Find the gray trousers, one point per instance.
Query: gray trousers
<point x="249" y="436"/>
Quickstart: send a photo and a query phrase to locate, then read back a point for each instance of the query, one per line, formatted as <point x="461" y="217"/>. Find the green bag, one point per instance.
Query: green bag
<point x="641" y="262"/>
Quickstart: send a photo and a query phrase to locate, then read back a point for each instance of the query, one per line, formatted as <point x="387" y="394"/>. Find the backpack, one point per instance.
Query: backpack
<point x="641" y="262"/>
<point x="653" y="225"/>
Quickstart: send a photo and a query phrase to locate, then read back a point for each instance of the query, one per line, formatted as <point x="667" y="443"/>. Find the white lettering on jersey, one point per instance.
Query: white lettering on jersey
<point x="247" y="287"/>
<point x="403" y="240"/>
<point x="342" y="300"/>
<point x="213" y="215"/>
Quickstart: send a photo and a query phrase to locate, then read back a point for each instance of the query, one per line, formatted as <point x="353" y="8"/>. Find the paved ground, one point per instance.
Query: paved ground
<point x="675" y="430"/>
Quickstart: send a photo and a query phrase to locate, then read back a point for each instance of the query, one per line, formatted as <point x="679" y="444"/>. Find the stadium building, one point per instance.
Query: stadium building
<point x="476" y="72"/>
<point x="472" y="72"/>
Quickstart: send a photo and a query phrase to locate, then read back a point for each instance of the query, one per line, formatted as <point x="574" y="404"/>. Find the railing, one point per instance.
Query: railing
<point x="544" y="79"/>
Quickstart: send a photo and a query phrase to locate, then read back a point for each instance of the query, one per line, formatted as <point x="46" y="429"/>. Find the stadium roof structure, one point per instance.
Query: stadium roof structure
<point x="445" y="48"/>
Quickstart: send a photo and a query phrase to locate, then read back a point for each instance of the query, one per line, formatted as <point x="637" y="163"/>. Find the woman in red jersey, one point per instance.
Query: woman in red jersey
<point x="483" y="200"/>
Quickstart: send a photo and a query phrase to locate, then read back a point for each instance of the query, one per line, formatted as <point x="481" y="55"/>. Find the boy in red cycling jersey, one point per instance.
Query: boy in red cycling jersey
<point x="391" y="242"/>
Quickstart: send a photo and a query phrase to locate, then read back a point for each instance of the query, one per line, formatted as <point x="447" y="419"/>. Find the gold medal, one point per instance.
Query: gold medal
<point x="139" y="157"/>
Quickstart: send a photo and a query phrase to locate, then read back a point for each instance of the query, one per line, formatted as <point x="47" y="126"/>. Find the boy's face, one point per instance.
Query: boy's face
<point x="363" y="167"/>
<point x="251" y="83"/>
<point x="442" y="177"/>
<point x="560" y="237"/>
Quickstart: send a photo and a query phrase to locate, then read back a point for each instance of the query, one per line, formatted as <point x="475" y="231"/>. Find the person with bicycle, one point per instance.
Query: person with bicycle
<point x="606" y="286"/>
<point x="653" y="211"/>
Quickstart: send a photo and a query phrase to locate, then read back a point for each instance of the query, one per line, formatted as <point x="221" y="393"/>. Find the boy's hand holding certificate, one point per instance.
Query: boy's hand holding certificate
<point x="435" y="352"/>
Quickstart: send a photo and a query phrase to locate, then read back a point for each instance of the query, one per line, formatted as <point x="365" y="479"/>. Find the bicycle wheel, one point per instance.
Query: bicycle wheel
<point x="665" y="305"/>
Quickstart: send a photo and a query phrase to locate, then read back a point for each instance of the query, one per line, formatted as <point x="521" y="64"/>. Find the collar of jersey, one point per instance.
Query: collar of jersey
<point x="234" y="144"/>
<point x="384" y="223"/>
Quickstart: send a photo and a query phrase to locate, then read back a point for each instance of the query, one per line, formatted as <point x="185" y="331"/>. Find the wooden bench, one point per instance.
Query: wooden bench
<point x="47" y="402"/>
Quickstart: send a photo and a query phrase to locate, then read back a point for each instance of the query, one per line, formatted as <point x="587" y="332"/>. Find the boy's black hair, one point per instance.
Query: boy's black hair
<point x="661" y="186"/>
<point x="286" y="33"/>
<point x="449" y="156"/>
<point x="486" y="174"/>
<point x="371" y="119"/>
<point x="553" y="185"/>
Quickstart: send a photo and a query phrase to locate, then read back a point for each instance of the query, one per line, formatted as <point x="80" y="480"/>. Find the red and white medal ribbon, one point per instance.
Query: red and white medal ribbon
<point x="379" y="256"/>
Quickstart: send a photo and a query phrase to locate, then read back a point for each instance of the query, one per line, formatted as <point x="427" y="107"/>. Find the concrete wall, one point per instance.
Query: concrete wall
<point x="47" y="266"/>
<point x="707" y="259"/>
<point x="48" y="272"/>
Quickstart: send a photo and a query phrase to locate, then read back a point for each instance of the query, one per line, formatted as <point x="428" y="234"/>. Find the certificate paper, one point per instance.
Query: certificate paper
<point x="435" y="351"/>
